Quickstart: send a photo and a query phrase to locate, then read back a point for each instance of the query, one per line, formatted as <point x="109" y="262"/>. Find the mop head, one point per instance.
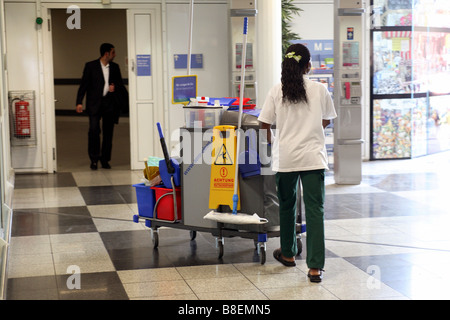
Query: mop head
<point x="235" y="218"/>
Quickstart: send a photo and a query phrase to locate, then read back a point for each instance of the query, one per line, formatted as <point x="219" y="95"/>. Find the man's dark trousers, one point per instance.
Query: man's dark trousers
<point x="105" y="114"/>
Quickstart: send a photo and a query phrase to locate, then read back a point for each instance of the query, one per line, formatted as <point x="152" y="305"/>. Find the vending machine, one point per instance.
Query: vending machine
<point x="238" y="10"/>
<point x="349" y="66"/>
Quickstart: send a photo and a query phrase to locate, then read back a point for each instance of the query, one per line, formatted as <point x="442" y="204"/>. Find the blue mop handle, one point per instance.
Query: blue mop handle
<point x="235" y="203"/>
<point x="245" y="25"/>
<point x="170" y="168"/>
<point x="161" y="136"/>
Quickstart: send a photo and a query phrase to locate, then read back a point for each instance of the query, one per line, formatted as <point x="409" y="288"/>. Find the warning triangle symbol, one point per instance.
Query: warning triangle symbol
<point x="223" y="157"/>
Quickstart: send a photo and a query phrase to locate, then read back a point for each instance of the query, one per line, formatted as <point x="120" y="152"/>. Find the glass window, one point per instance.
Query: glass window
<point x="431" y="55"/>
<point x="411" y="76"/>
<point x="393" y="13"/>
<point x="411" y="62"/>
<point x="438" y="124"/>
<point x="432" y="13"/>
<point x="392" y="62"/>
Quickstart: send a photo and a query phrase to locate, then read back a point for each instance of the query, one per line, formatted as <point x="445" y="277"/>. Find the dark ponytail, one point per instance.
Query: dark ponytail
<point x="292" y="82"/>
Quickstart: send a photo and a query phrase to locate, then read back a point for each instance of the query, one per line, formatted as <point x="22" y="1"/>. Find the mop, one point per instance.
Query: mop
<point x="234" y="217"/>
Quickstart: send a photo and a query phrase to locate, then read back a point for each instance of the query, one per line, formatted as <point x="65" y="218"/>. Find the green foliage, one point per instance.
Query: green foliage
<point x="288" y="11"/>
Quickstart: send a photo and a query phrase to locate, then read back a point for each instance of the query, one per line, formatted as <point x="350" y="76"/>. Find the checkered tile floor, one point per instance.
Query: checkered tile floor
<point x="386" y="238"/>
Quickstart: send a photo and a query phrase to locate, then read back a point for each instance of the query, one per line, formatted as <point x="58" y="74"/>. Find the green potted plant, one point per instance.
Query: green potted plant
<point x="288" y="11"/>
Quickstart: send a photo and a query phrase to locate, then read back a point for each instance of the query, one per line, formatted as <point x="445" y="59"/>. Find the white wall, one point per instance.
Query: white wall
<point x="315" y="22"/>
<point x="210" y="38"/>
<point x="6" y="176"/>
<point x="23" y="51"/>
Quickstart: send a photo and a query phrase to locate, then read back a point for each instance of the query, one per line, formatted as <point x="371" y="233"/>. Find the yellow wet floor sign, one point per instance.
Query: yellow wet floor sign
<point x="223" y="166"/>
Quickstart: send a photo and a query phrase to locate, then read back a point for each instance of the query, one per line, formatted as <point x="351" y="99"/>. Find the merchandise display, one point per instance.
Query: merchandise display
<point x="410" y="76"/>
<point x="392" y="128"/>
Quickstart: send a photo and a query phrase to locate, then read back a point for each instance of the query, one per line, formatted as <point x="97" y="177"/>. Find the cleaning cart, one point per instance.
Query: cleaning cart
<point x="182" y="200"/>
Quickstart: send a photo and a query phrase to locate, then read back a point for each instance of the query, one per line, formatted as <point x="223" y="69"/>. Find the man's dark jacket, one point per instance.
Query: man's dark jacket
<point x="92" y="84"/>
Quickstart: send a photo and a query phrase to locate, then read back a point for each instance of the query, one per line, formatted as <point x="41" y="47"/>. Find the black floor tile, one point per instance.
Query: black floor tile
<point x="126" y="239"/>
<point x="28" y="224"/>
<point x="101" y="195"/>
<point x="389" y="260"/>
<point x="93" y="286"/>
<point x="408" y="182"/>
<point x="139" y="258"/>
<point x="392" y="268"/>
<point x="42" y="221"/>
<point x="128" y="193"/>
<point x="54" y="180"/>
<point x="402" y="286"/>
<point x="32" y="288"/>
<point x="77" y="211"/>
<point x="63" y="225"/>
<point x="369" y="205"/>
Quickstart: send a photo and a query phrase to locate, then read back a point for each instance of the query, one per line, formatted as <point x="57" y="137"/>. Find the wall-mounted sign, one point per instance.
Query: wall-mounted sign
<point x="248" y="55"/>
<point x="350" y="33"/>
<point x="350" y="54"/>
<point x="183" y="89"/>
<point x="143" y="65"/>
<point x="180" y="61"/>
<point x="322" y="54"/>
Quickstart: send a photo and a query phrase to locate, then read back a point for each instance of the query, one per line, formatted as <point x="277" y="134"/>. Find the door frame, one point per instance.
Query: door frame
<point x="48" y="97"/>
<point x="143" y="129"/>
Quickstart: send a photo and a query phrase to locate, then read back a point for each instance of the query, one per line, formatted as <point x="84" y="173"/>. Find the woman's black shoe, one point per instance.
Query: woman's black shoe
<point x="316" y="278"/>
<point x="94" y="165"/>
<point x="277" y="255"/>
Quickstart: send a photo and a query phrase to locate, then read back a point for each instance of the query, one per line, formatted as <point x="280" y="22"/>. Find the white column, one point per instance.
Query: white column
<point x="268" y="47"/>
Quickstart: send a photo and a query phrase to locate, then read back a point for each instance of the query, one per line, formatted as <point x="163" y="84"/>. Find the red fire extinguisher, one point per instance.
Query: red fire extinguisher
<point x="22" y="121"/>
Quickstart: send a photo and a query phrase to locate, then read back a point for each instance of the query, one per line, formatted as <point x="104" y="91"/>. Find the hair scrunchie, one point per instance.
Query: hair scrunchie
<point x="291" y="55"/>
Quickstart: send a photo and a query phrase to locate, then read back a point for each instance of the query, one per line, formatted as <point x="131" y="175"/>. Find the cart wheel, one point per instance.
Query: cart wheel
<point x="155" y="238"/>
<point x="193" y="234"/>
<point x="299" y="246"/>
<point x="262" y="249"/>
<point x="220" y="247"/>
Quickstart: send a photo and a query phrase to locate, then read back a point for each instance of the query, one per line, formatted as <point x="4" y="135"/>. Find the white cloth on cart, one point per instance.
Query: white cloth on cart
<point x="238" y="218"/>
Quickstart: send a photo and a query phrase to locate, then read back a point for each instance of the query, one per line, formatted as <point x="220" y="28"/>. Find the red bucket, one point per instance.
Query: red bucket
<point x="164" y="209"/>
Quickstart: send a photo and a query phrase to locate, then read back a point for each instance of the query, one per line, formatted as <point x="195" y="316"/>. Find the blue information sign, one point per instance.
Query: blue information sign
<point x="183" y="89"/>
<point x="143" y="65"/>
<point x="180" y="61"/>
<point x="322" y="52"/>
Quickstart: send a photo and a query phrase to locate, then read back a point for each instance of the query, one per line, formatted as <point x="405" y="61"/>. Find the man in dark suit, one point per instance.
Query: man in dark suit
<point x="106" y="95"/>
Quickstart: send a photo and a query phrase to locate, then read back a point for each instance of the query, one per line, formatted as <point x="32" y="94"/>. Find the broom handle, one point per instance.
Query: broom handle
<point x="241" y="100"/>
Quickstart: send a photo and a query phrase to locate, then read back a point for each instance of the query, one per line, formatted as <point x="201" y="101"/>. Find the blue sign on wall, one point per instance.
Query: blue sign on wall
<point x="321" y="51"/>
<point x="143" y="65"/>
<point x="183" y="89"/>
<point x="180" y="61"/>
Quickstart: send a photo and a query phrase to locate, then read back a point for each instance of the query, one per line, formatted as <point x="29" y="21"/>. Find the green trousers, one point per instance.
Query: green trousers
<point x="313" y="184"/>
